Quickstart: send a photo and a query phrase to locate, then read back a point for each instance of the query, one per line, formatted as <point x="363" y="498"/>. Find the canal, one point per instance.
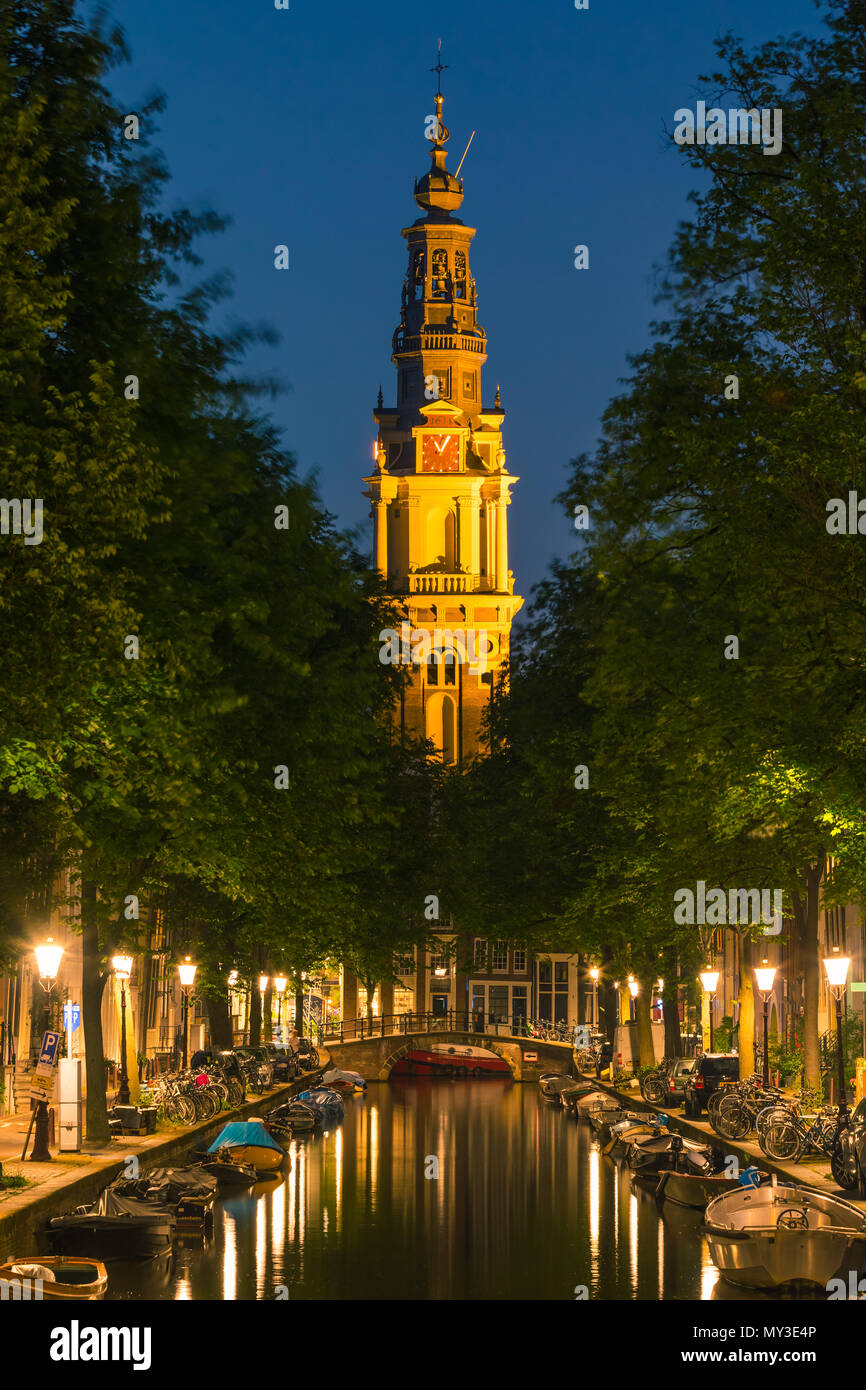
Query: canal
<point x="524" y="1207"/>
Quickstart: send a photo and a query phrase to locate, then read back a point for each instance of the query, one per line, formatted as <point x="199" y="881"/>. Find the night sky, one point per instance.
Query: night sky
<point x="306" y="127"/>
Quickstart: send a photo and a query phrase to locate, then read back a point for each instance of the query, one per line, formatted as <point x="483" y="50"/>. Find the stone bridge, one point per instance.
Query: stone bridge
<point x="527" y="1058"/>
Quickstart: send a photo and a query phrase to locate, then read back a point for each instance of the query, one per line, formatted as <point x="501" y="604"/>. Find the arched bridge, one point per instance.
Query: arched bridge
<point x="375" y="1055"/>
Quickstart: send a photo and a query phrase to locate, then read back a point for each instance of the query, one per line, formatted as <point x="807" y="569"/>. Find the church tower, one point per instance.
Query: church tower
<point x="440" y="490"/>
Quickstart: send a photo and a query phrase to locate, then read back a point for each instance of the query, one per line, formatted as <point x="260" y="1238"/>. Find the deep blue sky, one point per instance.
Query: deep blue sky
<point x="306" y="126"/>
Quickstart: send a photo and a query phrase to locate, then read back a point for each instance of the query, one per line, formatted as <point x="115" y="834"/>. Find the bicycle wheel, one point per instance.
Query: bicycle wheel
<point x="733" y="1121"/>
<point x="781" y="1139"/>
<point x="654" y="1090"/>
<point x="772" y="1113"/>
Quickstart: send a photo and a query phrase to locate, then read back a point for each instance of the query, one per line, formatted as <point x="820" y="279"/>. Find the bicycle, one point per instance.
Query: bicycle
<point x="789" y="1135"/>
<point x="654" y="1084"/>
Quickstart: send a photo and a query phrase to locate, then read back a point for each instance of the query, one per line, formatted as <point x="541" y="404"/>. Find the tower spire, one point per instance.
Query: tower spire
<point x="439" y="69"/>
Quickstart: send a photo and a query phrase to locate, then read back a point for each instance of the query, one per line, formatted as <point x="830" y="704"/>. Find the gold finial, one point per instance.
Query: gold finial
<point x="497" y="402"/>
<point x="379" y="402"/>
<point x="439" y="69"/>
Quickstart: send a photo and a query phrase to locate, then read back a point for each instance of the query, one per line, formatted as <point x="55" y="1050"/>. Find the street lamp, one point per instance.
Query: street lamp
<point x="765" y="975"/>
<point x="594" y="974"/>
<point x="186" y="970"/>
<point x="280" y="983"/>
<point x="48" y="959"/>
<point x="122" y="967"/>
<point x="633" y="988"/>
<point x="836" y="967"/>
<point x="710" y="979"/>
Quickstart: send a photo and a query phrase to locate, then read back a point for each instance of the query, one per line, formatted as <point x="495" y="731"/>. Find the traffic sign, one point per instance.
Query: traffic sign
<point x="50" y="1048"/>
<point x="71" y="1017"/>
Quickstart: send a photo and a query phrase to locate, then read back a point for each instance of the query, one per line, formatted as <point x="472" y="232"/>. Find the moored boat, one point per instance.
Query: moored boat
<point x="113" y="1228"/>
<point x="571" y="1096"/>
<point x="251" y="1144"/>
<point x="345" y="1081"/>
<point x="649" y="1154"/>
<point x="624" y="1132"/>
<point x="56" y="1277"/>
<point x="693" y="1190"/>
<point x="228" y="1169"/>
<point x="552" y="1084"/>
<point x="461" y="1061"/>
<point x="328" y="1103"/>
<point x="785" y="1235"/>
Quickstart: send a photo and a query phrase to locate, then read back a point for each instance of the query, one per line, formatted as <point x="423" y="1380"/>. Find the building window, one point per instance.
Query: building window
<point x="437" y="964"/>
<point x="499" y="956"/>
<point x="404" y="965"/>
<point x="497" y="1002"/>
<point x="480" y="954"/>
<point x="519" y="962"/>
<point x="518" y="1003"/>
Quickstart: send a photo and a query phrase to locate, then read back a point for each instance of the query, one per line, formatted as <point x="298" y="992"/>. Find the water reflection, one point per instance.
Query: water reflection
<point x="524" y="1207"/>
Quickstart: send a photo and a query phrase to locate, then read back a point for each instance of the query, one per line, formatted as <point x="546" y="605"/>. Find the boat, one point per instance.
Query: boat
<point x="552" y="1083"/>
<point x="113" y="1228"/>
<point x="457" y="1060"/>
<point x="57" y="1277"/>
<point x="649" y="1154"/>
<point x="294" y="1117"/>
<point x="590" y="1100"/>
<point x="571" y="1096"/>
<point x="602" y="1116"/>
<point x="228" y="1169"/>
<point x="785" y="1235"/>
<point x="328" y="1103"/>
<point x="693" y="1190"/>
<point x="169" y="1187"/>
<point x="251" y="1144"/>
<point x="346" y="1081"/>
<point x="623" y="1132"/>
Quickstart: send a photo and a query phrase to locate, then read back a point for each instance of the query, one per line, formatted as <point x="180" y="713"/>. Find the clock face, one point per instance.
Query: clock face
<point x="440" y="453"/>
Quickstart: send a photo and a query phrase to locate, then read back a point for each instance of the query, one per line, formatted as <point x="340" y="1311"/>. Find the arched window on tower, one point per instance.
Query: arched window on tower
<point x="460" y="274"/>
<point x="442" y="667"/>
<point x="441" y="727"/>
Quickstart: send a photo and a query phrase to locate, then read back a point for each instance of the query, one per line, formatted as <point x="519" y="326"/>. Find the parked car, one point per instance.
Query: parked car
<point x="711" y="1070"/>
<point x="683" y="1067"/>
<point x="282" y="1059"/>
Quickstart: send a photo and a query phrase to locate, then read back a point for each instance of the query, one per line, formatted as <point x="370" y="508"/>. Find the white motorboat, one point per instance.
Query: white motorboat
<point x="785" y="1234"/>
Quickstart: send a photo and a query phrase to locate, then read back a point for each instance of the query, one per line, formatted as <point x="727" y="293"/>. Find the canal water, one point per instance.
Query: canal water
<point x="524" y="1207"/>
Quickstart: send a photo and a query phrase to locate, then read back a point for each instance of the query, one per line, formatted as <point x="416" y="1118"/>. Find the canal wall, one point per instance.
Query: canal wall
<point x="527" y="1058"/>
<point x="74" y="1180"/>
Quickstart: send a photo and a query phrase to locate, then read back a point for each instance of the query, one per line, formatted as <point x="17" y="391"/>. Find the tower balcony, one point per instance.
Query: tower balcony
<point x="443" y="583"/>
<point x="432" y="341"/>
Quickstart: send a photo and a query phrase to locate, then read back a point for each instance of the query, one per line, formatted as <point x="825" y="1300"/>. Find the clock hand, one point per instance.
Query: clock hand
<point x="446" y="440"/>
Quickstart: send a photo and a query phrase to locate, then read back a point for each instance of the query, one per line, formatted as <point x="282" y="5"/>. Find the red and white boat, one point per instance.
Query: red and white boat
<point x="445" y="1059"/>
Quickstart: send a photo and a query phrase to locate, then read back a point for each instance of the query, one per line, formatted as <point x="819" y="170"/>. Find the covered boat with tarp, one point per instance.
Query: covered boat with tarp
<point x="115" y="1227"/>
<point x="343" y="1080"/>
<point x="250" y="1143"/>
<point x="293" y="1117"/>
<point x="328" y="1103"/>
<point x="188" y="1191"/>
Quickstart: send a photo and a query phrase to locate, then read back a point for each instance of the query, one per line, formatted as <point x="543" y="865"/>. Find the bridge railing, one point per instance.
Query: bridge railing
<point x="451" y="1021"/>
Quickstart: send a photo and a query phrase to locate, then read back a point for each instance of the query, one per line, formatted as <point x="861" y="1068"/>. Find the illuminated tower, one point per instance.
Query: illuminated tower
<point x="440" y="490"/>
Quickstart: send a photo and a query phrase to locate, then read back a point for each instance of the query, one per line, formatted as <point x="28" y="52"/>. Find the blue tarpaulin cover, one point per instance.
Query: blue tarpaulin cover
<point x="245" y="1132"/>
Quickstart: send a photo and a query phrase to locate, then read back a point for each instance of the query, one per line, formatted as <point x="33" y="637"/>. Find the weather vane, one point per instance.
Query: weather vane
<point x="439" y="69"/>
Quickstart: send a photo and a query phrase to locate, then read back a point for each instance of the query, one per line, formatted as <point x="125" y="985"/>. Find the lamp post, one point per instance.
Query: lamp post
<point x="633" y="989"/>
<point x="48" y="963"/>
<point x="836" y="967"/>
<point x="593" y="975"/>
<point x="122" y="966"/>
<point x="709" y="978"/>
<point x="280" y="982"/>
<point x="765" y="975"/>
<point x="186" y="970"/>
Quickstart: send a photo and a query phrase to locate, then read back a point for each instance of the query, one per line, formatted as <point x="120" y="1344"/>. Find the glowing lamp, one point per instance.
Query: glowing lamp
<point x="765" y="975"/>
<point x="280" y="983"/>
<point x="633" y="988"/>
<point x="594" y="973"/>
<point x="48" y="959"/>
<point x="187" y="973"/>
<point x="122" y="966"/>
<point x="264" y="981"/>
<point x="836" y="967"/>
<point x="233" y="978"/>
<point x="710" y="979"/>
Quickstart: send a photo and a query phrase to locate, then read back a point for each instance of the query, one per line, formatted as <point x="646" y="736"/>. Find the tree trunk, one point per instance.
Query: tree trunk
<point x="643" y="1023"/>
<point x="806" y="918"/>
<point x="746" y="1032"/>
<point x="93" y="980"/>
<point x="370" y="987"/>
<point x="299" y="1010"/>
<point x="255" y="1016"/>
<point x="670" y="999"/>
<point x="219" y="1020"/>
